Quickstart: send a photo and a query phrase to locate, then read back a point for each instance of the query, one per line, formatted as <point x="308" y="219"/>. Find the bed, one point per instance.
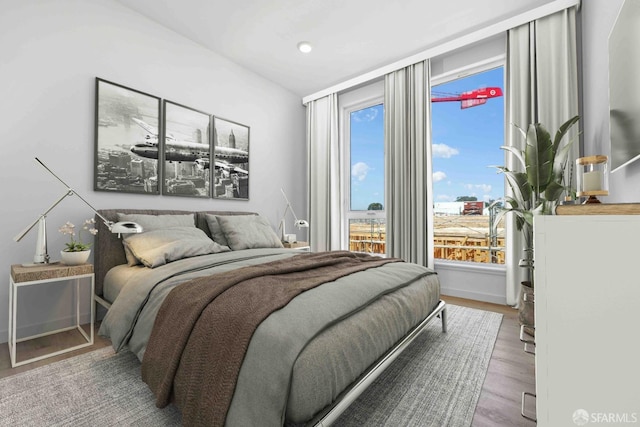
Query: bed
<point x="304" y="361"/>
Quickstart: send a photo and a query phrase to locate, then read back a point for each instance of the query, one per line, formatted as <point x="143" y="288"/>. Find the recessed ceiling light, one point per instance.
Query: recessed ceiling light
<point x="304" y="47"/>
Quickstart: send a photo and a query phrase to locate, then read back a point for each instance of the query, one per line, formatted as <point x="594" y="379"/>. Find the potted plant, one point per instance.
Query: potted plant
<point x="536" y="191"/>
<point x="77" y="252"/>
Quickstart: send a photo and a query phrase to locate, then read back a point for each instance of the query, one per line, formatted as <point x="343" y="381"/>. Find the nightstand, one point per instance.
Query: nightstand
<point x="49" y="273"/>
<point x="298" y="246"/>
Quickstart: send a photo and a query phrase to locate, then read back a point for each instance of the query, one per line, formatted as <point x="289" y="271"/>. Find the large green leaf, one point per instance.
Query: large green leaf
<point x="518" y="213"/>
<point x="538" y="157"/>
<point x="554" y="191"/>
<point x="513" y="203"/>
<point x="560" y="162"/>
<point x="528" y="217"/>
<point x="518" y="183"/>
<point x="501" y="212"/>
<point x="562" y="154"/>
<point x="562" y="130"/>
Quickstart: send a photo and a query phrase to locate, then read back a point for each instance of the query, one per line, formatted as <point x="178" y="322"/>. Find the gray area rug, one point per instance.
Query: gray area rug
<point x="435" y="382"/>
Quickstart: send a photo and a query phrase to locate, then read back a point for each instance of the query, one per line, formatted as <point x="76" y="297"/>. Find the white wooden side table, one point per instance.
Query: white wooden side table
<point x="49" y="273"/>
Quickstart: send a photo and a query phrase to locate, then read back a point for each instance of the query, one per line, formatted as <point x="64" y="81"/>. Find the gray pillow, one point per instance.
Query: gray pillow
<point x="248" y="232"/>
<point x="150" y="223"/>
<point x="158" y="247"/>
<point x="214" y="229"/>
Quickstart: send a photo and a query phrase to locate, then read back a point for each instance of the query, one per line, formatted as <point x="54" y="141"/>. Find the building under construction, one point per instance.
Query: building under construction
<point x="455" y="238"/>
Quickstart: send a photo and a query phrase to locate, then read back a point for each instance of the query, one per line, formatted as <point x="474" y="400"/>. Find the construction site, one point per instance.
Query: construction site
<point x="455" y="238"/>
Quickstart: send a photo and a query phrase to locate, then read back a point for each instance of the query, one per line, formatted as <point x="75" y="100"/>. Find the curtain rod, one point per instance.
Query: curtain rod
<point x="465" y="40"/>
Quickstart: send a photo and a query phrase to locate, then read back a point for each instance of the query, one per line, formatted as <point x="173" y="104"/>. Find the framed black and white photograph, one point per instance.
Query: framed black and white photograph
<point x="231" y="159"/>
<point x="187" y="151"/>
<point x="126" y="136"/>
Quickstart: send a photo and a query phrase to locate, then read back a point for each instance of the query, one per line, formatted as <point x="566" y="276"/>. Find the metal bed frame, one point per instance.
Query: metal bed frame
<point x="372" y="373"/>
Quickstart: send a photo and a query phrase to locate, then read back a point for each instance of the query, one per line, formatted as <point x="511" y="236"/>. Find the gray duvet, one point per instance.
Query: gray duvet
<point x="302" y="356"/>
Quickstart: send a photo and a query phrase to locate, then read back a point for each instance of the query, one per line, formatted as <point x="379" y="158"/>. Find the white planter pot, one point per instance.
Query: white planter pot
<point x="75" y="258"/>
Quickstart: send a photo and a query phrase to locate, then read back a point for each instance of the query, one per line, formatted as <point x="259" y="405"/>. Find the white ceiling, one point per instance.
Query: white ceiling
<point x="349" y="37"/>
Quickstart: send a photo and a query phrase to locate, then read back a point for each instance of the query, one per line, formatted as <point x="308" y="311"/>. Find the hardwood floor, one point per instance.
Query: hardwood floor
<point x="511" y="370"/>
<point x="47" y="344"/>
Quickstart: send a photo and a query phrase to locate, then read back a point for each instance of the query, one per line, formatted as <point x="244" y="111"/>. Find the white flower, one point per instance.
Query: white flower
<point x="77" y="245"/>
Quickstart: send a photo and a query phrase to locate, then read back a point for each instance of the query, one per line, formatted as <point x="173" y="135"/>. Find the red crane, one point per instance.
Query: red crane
<point x="471" y="98"/>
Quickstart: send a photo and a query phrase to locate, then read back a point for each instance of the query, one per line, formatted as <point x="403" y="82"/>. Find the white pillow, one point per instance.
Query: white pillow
<point x="150" y="223"/>
<point x="158" y="247"/>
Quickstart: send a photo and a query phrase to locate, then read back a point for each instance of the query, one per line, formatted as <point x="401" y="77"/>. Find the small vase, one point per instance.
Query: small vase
<point x="75" y="258"/>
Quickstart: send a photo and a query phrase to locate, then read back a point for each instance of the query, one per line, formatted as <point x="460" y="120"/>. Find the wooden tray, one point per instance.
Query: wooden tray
<point x="599" y="209"/>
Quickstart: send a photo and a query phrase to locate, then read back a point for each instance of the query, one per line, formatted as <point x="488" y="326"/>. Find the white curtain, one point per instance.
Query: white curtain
<point x="408" y="199"/>
<point x="324" y="166"/>
<point x="542" y="87"/>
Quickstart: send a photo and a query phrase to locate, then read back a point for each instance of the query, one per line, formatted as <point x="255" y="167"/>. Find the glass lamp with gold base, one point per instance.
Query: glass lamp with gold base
<point x="593" y="177"/>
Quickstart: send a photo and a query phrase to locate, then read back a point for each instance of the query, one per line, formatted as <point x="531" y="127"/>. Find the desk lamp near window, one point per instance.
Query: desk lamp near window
<point x="299" y="223"/>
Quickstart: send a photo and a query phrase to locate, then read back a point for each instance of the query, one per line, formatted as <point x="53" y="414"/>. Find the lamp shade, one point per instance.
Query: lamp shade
<point x="125" y="227"/>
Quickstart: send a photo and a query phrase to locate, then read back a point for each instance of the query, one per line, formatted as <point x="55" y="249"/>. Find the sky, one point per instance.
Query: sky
<point x="367" y="157"/>
<point x="466" y="143"/>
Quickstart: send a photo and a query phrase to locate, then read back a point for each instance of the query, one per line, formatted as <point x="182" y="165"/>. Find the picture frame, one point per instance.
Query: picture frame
<point x="231" y="159"/>
<point x="127" y="137"/>
<point x="187" y="151"/>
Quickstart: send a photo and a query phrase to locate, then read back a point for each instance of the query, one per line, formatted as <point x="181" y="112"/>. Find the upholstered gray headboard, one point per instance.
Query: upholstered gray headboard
<point x="108" y="250"/>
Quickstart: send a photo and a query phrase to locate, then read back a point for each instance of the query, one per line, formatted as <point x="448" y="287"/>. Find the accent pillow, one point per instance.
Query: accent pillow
<point x="214" y="229"/>
<point x="150" y="223"/>
<point x="158" y="247"/>
<point x="248" y="232"/>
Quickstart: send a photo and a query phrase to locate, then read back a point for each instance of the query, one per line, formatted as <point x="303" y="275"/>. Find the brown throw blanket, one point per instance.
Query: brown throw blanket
<point x="203" y="329"/>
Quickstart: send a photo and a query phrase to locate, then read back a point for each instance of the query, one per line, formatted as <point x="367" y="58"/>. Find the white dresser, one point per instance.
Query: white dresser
<point x="587" y="293"/>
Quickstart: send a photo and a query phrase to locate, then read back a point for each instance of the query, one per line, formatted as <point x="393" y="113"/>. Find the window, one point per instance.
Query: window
<point x="363" y="133"/>
<point x="466" y="136"/>
<point x="467" y="119"/>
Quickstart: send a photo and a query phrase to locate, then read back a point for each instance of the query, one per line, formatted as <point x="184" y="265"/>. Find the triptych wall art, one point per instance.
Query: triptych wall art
<point x="148" y="145"/>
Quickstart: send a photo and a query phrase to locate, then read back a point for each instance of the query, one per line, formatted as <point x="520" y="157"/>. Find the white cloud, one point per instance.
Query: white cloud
<point x="446" y="198"/>
<point x="367" y="115"/>
<point x="359" y="171"/>
<point x="444" y="151"/>
<point x="484" y="188"/>
<point x="439" y="176"/>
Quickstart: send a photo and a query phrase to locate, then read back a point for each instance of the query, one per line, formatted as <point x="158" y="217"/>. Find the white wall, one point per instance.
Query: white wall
<point x="476" y="281"/>
<point x="51" y="52"/>
<point x="598" y="18"/>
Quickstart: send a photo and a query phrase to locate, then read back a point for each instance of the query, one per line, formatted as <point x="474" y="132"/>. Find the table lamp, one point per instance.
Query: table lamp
<point x="300" y="223"/>
<point x="593" y="177"/>
<point x="41" y="256"/>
